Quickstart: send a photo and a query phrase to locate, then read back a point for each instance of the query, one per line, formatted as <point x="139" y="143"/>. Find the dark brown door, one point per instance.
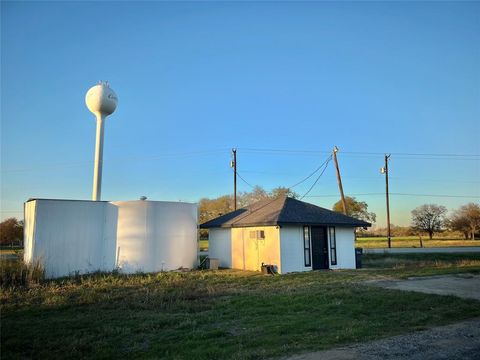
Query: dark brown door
<point x="319" y="248"/>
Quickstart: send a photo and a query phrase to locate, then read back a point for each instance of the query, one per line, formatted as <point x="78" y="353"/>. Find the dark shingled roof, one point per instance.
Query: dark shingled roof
<point x="282" y="211"/>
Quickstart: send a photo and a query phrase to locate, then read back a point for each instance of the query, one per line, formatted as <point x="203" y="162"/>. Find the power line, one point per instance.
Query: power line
<point x="400" y="194"/>
<point x="438" y="195"/>
<point x="419" y="157"/>
<point x="318" y="178"/>
<point x="313" y="173"/>
<point x="245" y="181"/>
<point x="358" y="152"/>
<point x="120" y="159"/>
<point x="298" y="183"/>
<point x="414" y="154"/>
<point x="399" y="155"/>
<point x="367" y="177"/>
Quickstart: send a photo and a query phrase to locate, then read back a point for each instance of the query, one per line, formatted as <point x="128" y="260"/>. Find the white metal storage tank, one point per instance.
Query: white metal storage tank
<point x="156" y="235"/>
<point x="69" y="236"/>
<point x="76" y="236"/>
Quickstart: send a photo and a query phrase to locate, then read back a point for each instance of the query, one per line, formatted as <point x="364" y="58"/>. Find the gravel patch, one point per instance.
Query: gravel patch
<point x="460" y="341"/>
<point x="462" y="285"/>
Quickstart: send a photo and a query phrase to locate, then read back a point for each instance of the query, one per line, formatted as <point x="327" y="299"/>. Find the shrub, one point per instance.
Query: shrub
<point x="17" y="273"/>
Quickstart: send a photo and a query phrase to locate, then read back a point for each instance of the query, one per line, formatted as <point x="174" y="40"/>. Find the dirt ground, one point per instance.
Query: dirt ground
<point x="461" y="285"/>
<point x="460" y="341"/>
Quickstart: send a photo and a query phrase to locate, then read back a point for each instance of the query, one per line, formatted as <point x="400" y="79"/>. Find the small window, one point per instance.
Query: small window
<point x="333" y="246"/>
<point x="257" y="234"/>
<point x="306" y="246"/>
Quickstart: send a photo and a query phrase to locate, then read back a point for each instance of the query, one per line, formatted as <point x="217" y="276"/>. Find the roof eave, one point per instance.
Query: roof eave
<point x="359" y="224"/>
<point x="228" y="226"/>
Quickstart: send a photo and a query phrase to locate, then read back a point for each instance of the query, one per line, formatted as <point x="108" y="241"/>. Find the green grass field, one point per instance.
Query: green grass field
<point x="422" y="262"/>
<point x="223" y="314"/>
<point x="405" y="241"/>
<point x="412" y="241"/>
<point x="11" y="250"/>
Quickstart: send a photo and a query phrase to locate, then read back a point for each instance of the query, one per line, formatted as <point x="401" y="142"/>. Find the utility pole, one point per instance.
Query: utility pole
<point x="384" y="170"/>
<point x="233" y="164"/>
<point x="339" y="179"/>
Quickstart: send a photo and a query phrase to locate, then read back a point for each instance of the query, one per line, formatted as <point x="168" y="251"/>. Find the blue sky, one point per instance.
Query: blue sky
<point x="196" y="79"/>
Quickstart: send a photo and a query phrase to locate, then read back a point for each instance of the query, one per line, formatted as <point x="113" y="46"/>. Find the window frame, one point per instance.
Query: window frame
<point x="260" y="234"/>
<point x="309" y="248"/>
<point x="333" y="245"/>
<point x="257" y="234"/>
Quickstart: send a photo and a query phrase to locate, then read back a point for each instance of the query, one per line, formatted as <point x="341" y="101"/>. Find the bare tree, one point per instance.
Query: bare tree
<point x="429" y="218"/>
<point x="458" y="222"/>
<point x="466" y="219"/>
<point x="283" y="191"/>
<point x="247" y="198"/>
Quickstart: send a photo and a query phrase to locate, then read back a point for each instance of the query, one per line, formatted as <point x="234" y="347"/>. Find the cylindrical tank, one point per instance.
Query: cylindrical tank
<point x="156" y="236"/>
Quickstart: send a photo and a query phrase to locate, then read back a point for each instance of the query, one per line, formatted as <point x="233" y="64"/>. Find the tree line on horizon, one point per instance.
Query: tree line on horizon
<point x="426" y="219"/>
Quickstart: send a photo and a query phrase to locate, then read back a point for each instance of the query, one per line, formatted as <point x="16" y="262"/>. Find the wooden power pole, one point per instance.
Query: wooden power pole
<point x="385" y="171"/>
<point x="339" y="179"/>
<point x="233" y="164"/>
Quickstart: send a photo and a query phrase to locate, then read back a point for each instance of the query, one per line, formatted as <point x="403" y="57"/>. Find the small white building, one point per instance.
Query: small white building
<point x="80" y="236"/>
<point x="290" y="234"/>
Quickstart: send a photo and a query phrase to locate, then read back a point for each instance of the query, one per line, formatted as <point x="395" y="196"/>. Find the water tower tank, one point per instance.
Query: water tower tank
<point x="101" y="99"/>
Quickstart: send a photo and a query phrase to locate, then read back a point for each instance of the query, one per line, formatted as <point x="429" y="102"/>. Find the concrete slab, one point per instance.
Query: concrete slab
<point x="461" y="285"/>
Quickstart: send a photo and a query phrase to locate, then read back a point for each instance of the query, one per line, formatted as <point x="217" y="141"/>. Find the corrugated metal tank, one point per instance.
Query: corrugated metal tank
<point x="156" y="235"/>
<point x="70" y="236"/>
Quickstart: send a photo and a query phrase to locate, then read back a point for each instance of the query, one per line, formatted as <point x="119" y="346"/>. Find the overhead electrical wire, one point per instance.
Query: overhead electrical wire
<point x="319" y="176"/>
<point x="400" y="194"/>
<point x="313" y="173"/>
<point x="367" y="177"/>
<point x="121" y="159"/>
<point x="325" y="163"/>
<point x="398" y="155"/>
<point x="358" y="152"/>
<point x="245" y="181"/>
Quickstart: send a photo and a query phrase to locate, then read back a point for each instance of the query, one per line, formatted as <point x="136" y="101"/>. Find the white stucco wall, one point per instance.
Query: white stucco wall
<point x="70" y="236"/>
<point x="220" y="246"/>
<point x="291" y="249"/>
<point x="345" y="237"/>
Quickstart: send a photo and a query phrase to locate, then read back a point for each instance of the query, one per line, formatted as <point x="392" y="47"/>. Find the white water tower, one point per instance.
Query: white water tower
<point x="101" y="101"/>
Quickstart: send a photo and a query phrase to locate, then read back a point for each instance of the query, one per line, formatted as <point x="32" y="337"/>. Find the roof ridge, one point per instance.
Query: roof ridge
<point x="250" y="212"/>
<point x="284" y="210"/>
<point x="283" y="206"/>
